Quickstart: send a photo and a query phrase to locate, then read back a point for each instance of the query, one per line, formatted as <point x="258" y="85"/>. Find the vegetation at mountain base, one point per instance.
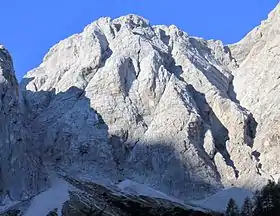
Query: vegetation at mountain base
<point x="265" y="202"/>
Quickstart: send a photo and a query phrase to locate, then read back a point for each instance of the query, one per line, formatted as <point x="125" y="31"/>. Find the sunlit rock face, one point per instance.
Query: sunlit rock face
<point x="257" y="82"/>
<point x="127" y="100"/>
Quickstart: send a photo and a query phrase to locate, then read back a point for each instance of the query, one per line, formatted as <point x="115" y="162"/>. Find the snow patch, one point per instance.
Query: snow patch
<point x="134" y="188"/>
<point x="218" y="202"/>
<point x="53" y="198"/>
<point x="7" y="205"/>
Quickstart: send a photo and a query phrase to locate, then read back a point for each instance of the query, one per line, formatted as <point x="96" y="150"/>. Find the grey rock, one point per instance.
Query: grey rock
<point x="257" y="85"/>
<point x="22" y="173"/>
<point x="93" y="199"/>
<point x="87" y="198"/>
<point x="127" y="100"/>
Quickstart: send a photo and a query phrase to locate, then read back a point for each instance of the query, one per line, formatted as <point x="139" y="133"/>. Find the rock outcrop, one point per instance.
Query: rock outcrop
<point x="128" y="100"/>
<point x="87" y="198"/>
<point x="257" y="85"/>
<point x="21" y="171"/>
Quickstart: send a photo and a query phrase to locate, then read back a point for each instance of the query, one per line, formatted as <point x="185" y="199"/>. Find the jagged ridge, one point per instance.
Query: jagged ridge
<point x="166" y="100"/>
<point x="127" y="100"/>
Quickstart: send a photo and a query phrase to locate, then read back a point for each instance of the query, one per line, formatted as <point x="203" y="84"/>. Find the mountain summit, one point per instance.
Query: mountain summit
<point x="125" y="104"/>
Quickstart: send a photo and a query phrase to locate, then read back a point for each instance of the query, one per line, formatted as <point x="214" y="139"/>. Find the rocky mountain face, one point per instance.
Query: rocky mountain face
<point x="128" y="100"/>
<point x="21" y="173"/>
<point x="257" y="82"/>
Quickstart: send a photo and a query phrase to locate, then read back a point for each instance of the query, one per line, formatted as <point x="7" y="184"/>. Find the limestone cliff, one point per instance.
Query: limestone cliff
<point x="127" y="101"/>
<point x="21" y="172"/>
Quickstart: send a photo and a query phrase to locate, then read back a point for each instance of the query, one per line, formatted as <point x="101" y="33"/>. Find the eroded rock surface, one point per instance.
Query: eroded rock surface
<point x="127" y="100"/>
<point x="21" y="172"/>
<point x="257" y="82"/>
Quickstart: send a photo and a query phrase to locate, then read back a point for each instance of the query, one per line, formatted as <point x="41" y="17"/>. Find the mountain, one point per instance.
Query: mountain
<point x="148" y="107"/>
<point x="257" y="85"/>
<point x="21" y="175"/>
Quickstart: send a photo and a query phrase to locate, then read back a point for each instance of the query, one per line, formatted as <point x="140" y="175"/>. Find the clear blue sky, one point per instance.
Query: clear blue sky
<point x="30" y="27"/>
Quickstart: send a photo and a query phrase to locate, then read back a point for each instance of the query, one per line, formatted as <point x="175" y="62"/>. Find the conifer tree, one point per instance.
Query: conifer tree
<point x="247" y="208"/>
<point x="267" y="201"/>
<point x="232" y="209"/>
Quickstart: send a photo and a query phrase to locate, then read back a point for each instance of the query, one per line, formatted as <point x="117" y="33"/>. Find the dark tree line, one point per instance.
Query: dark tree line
<point x="265" y="202"/>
